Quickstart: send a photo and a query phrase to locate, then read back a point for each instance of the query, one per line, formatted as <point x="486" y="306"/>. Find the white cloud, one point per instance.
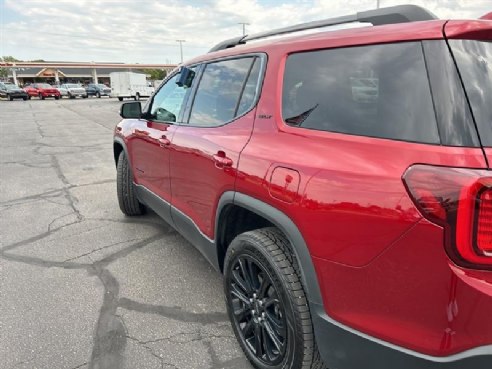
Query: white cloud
<point x="146" y="30"/>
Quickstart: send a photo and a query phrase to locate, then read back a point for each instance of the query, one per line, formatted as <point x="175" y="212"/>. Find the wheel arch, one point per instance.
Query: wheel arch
<point x="119" y="146"/>
<point x="271" y="216"/>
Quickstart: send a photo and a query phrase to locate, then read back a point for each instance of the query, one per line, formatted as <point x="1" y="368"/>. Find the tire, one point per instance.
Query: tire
<point x="70" y="96"/>
<point x="41" y="96"/>
<point x="127" y="198"/>
<point x="85" y="96"/>
<point x="98" y="95"/>
<point x="57" y="97"/>
<point x="266" y="255"/>
<point x="10" y="98"/>
<point x="24" y="98"/>
<point x="120" y="98"/>
<point x="29" y="97"/>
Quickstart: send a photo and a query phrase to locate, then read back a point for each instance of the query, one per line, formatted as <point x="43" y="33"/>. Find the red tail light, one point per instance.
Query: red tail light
<point x="459" y="200"/>
<point x="484" y="223"/>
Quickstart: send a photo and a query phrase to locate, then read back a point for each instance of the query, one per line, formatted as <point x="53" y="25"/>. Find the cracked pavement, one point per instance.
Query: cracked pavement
<point x="81" y="285"/>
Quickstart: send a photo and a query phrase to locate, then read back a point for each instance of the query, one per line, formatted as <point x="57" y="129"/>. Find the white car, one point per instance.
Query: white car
<point x="72" y="90"/>
<point x="63" y="91"/>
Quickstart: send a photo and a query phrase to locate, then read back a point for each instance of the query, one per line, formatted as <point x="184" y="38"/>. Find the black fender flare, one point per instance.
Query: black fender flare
<point x="121" y="142"/>
<point x="287" y="226"/>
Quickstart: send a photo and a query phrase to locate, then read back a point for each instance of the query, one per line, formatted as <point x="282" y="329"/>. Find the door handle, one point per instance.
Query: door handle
<point x="163" y="141"/>
<point x="221" y="160"/>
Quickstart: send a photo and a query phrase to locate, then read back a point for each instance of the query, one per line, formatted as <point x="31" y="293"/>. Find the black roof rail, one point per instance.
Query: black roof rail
<point x="390" y="15"/>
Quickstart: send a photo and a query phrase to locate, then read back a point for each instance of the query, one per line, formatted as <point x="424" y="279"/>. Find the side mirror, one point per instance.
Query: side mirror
<point x="186" y="76"/>
<point x="131" y="110"/>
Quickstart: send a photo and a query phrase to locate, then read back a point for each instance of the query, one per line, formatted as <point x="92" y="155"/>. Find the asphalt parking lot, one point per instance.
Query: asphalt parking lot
<point x="81" y="285"/>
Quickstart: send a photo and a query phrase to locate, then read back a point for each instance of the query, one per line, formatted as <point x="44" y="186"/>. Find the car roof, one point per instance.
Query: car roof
<point x="337" y="38"/>
<point x="412" y="31"/>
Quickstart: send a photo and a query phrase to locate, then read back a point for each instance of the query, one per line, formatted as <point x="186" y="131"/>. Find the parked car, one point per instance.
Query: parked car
<point x="340" y="181"/>
<point x="74" y="90"/>
<point x="42" y="90"/>
<point x="98" y="90"/>
<point x="63" y="91"/>
<point x="11" y="91"/>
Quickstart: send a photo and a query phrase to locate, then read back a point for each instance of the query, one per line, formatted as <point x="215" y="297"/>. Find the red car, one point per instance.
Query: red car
<point x="42" y="90"/>
<point x="341" y="181"/>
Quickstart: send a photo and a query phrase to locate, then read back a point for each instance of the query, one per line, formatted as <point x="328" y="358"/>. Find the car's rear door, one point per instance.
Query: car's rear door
<point x="206" y="149"/>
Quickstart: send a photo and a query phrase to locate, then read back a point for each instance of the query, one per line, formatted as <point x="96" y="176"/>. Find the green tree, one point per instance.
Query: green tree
<point x="8" y="59"/>
<point x="156" y="74"/>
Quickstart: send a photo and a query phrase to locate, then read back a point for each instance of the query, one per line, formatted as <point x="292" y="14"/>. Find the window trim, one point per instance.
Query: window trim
<point x="263" y="58"/>
<point x="290" y="128"/>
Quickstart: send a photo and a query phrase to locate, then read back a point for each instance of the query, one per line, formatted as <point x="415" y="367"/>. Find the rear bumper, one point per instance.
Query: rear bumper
<point x="50" y="94"/>
<point x="77" y="93"/>
<point x="344" y="348"/>
<point x="18" y="95"/>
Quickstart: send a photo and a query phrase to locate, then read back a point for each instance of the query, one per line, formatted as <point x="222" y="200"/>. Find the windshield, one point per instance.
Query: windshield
<point x="102" y="86"/>
<point x="12" y="87"/>
<point x="43" y="85"/>
<point x="73" y="85"/>
<point x="474" y="59"/>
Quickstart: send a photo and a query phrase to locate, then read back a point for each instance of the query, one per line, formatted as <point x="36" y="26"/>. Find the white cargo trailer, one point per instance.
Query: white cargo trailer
<point x="129" y="85"/>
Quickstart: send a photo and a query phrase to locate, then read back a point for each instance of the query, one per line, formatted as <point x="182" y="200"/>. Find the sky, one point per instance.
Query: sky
<point x="145" y="31"/>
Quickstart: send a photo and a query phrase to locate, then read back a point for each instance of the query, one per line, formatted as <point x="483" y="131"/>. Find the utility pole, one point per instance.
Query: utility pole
<point x="244" y="27"/>
<point x="181" y="48"/>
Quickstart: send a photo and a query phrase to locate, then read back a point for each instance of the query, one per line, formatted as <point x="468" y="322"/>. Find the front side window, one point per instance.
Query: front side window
<point x="217" y="98"/>
<point x="377" y="90"/>
<point x="168" y="101"/>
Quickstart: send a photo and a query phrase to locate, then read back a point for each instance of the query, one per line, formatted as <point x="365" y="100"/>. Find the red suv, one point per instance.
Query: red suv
<point x="341" y="183"/>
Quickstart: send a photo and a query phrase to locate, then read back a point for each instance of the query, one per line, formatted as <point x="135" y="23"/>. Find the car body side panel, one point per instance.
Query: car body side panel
<point x="412" y="296"/>
<point x="350" y="189"/>
<point x="351" y="209"/>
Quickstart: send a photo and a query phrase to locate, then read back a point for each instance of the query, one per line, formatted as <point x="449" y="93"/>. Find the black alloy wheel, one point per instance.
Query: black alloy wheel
<point x="267" y="304"/>
<point x="258" y="310"/>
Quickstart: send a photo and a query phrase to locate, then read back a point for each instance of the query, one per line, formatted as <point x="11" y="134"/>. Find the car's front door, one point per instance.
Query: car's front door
<point x="206" y="148"/>
<point x="150" y="142"/>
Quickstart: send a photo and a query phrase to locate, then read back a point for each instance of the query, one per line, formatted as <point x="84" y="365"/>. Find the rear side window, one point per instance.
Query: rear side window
<point x="474" y="60"/>
<point x="217" y="97"/>
<point x="378" y="90"/>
